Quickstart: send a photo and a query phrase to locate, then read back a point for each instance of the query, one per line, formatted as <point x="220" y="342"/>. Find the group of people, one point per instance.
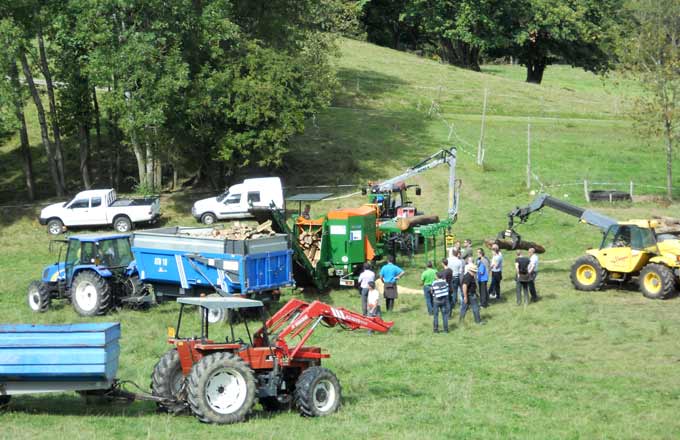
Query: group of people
<point x="463" y="278"/>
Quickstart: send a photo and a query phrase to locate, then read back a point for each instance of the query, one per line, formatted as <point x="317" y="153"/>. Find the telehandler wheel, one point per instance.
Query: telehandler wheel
<point x="221" y="389"/>
<point x="4" y="400"/>
<point x="90" y="294"/>
<point x="38" y="297"/>
<point x="168" y="381"/>
<point x="656" y="281"/>
<point x="317" y="392"/>
<point x="587" y="273"/>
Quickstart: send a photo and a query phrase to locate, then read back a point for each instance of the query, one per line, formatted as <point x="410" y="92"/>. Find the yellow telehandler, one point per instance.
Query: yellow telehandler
<point x="647" y="249"/>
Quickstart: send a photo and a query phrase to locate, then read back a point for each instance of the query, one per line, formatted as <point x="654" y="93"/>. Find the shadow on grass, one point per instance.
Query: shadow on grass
<point x="74" y="405"/>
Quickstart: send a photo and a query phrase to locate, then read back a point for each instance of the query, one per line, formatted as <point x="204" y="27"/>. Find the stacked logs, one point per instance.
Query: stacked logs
<point x="238" y="231"/>
<point x="310" y="242"/>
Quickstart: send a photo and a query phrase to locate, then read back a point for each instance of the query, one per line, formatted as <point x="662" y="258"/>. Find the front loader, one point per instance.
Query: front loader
<point x="648" y="249"/>
<point x="219" y="380"/>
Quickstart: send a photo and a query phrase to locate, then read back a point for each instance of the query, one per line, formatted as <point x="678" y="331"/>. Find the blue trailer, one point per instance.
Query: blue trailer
<point x="100" y="272"/>
<point x="57" y="358"/>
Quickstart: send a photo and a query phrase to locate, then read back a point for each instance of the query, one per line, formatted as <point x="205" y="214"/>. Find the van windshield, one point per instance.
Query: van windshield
<point x="223" y="196"/>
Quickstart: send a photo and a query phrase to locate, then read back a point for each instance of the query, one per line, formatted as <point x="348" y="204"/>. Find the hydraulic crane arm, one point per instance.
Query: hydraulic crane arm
<point x="298" y="317"/>
<point x="542" y="200"/>
<point x="438" y="158"/>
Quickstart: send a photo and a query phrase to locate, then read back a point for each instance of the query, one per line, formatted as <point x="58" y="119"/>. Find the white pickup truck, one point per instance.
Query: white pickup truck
<point x="100" y="207"/>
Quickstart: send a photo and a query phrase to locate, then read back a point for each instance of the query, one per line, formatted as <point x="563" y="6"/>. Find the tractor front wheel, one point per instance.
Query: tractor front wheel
<point x="587" y="274"/>
<point x="38" y="296"/>
<point x="90" y="294"/>
<point x="317" y="392"/>
<point x="656" y="281"/>
<point x="221" y="389"/>
<point x="167" y="381"/>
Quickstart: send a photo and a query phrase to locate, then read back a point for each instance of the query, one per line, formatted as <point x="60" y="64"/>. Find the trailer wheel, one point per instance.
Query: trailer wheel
<point x="122" y="224"/>
<point x="221" y="389"/>
<point x="317" y="392"/>
<point x="656" y="281"/>
<point x="90" y="294"/>
<point x="4" y="400"/>
<point x="38" y="297"/>
<point x="55" y="226"/>
<point x="208" y="218"/>
<point x="168" y="381"/>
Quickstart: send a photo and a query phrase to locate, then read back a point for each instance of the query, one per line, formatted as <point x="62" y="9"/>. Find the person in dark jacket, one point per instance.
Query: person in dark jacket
<point x="440" y="302"/>
<point x="470" y="300"/>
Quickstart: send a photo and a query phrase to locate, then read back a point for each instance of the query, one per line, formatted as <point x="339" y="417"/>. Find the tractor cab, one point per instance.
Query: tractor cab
<point x="392" y="202"/>
<point x="626" y="248"/>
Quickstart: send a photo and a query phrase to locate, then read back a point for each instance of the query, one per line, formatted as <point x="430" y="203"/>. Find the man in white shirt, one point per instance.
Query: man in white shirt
<point x="366" y="277"/>
<point x="496" y="273"/>
<point x="533" y="273"/>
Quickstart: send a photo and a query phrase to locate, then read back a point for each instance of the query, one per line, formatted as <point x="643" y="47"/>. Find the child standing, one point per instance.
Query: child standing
<point x="373" y="300"/>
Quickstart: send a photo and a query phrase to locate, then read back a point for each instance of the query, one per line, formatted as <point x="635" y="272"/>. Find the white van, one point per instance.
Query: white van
<point x="235" y="202"/>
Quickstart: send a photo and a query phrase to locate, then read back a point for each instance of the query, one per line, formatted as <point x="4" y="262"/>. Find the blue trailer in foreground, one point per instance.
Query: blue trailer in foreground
<point x="57" y="358"/>
<point x="100" y="272"/>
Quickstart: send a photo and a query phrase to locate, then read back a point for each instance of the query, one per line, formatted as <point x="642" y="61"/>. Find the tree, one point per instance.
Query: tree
<point x="649" y="50"/>
<point x="543" y="32"/>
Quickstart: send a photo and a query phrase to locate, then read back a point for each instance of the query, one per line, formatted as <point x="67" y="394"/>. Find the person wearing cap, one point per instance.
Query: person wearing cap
<point x="469" y="286"/>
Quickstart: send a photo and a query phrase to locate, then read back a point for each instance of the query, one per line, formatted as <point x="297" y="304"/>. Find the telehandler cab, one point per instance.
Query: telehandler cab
<point x="220" y="381"/>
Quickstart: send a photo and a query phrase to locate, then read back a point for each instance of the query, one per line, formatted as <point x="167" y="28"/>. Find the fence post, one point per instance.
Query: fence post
<point x="480" y="146"/>
<point x="585" y="190"/>
<point x="631" y="190"/>
<point x="529" y="156"/>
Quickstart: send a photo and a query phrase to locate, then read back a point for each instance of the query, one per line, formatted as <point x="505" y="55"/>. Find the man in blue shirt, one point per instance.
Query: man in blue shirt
<point x="390" y="274"/>
<point x="482" y="277"/>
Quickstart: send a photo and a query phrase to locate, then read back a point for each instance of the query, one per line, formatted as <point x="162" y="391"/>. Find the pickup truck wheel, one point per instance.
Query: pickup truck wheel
<point x="38" y="297"/>
<point x="55" y="226"/>
<point x="90" y="294"/>
<point x="122" y="224"/>
<point x="208" y="218"/>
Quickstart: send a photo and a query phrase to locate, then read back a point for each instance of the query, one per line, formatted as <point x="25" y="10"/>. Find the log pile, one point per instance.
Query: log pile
<point x="668" y="225"/>
<point x="507" y="245"/>
<point x="310" y="242"/>
<point x="238" y="231"/>
<point x="406" y="223"/>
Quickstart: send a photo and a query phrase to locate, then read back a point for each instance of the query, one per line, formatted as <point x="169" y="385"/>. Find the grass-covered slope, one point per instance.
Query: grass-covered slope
<point x="575" y="365"/>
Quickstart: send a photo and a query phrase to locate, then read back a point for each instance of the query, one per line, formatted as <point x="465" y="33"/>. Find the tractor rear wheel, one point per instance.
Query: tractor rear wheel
<point x="221" y="389"/>
<point x="317" y="392"/>
<point x="90" y="294"/>
<point x="38" y="296"/>
<point x="4" y="400"/>
<point x="656" y="281"/>
<point x="168" y="381"/>
<point x="587" y="273"/>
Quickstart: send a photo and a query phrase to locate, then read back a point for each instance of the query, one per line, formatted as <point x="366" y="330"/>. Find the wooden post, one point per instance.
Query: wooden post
<point x="480" y="146"/>
<point x="585" y="190"/>
<point x="630" y="191"/>
<point x="529" y="156"/>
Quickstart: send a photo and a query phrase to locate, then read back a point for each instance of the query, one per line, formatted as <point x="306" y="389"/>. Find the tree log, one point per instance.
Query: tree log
<point x="523" y="244"/>
<point x="405" y="223"/>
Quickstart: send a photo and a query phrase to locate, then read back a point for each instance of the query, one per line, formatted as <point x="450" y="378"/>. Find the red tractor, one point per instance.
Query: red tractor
<point x="220" y="382"/>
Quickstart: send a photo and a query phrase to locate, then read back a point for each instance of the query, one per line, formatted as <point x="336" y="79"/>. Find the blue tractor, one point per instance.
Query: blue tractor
<point x="96" y="274"/>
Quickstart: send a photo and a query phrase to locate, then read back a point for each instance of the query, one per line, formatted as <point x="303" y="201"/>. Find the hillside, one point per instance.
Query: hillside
<point x="574" y="365"/>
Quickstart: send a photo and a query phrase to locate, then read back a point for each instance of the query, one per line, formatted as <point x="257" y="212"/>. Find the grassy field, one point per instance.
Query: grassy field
<point x="575" y="365"/>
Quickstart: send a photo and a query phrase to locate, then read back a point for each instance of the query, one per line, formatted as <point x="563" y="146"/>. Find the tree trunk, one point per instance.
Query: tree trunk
<point x="24" y="147"/>
<point x="141" y="160"/>
<point x="459" y="54"/>
<point x="175" y="177"/>
<point x="535" y="71"/>
<point x="149" y="167"/>
<point x="97" y="123"/>
<point x="669" y="159"/>
<point x="59" y="189"/>
<point x="58" y="151"/>
<point x="84" y="133"/>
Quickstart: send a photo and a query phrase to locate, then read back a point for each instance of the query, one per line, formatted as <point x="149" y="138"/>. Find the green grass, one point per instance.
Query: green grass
<point x="575" y="365"/>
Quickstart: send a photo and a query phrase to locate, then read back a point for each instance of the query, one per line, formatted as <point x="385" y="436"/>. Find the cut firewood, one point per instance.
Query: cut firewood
<point x="405" y="223"/>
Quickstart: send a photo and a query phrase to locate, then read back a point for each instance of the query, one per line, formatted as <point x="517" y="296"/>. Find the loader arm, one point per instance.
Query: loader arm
<point x="542" y="200"/>
<point x="299" y="318"/>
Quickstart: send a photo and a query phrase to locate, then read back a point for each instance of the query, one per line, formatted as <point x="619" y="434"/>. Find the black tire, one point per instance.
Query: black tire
<point x="55" y="226"/>
<point x="317" y="392"/>
<point x="201" y="387"/>
<point x="4" y="400"/>
<point x="607" y="195"/>
<point x="208" y="218"/>
<point x="587" y="274"/>
<point x="656" y="281"/>
<point x="90" y="294"/>
<point x="39" y="297"/>
<point x="122" y="224"/>
<point x="273" y="404"/>
<point x="168" y="381"/>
